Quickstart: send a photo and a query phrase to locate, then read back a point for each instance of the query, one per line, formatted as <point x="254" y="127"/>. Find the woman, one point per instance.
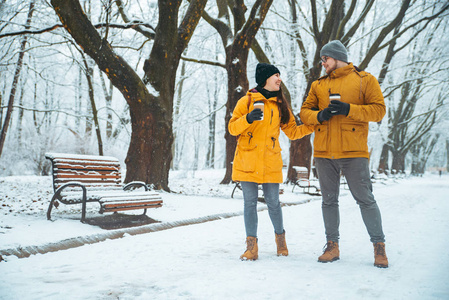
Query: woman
<point x="258" y="157"/>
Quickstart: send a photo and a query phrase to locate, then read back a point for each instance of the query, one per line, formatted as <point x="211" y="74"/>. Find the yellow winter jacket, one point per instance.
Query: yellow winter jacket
<point x="344" y="136"/>
<point x="258" y="154"/>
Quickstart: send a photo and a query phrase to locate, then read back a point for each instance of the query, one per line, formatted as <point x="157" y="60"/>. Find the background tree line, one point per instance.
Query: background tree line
<point x="155" y="82"/>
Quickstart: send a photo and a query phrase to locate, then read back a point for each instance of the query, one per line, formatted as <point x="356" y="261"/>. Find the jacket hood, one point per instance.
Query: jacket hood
<point x="256" y="96"/>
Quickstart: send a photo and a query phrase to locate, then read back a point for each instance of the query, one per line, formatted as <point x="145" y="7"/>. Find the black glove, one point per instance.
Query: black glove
<point x="254" y="115"/>
<point x="339" y="108"/>
<point x="324" y="115"/>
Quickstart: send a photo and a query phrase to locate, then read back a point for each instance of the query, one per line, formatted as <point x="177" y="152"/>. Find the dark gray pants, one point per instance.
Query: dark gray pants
<point x="356" y="171"/>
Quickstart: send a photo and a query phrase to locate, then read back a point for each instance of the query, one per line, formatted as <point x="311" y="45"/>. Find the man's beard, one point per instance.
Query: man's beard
<point x="331" y="70"/>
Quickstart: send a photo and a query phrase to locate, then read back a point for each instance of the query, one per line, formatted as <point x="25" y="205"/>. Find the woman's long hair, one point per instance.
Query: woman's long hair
<point x="284" y="107"/>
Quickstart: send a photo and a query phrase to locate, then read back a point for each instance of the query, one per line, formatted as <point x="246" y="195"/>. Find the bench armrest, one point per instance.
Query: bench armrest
<point x="135" y="183"/>
<point x="58" y="194"/>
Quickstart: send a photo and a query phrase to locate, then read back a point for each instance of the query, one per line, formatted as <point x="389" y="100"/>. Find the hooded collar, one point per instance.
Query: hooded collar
<point x="257" y="96"/>
<point x="266" y="93"/>
<point x="343" y="71"/>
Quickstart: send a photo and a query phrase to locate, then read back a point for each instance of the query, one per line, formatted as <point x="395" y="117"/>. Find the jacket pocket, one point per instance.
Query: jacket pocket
<point x="354" y="137"/>
<point x="273" y="158"/>
<point x="245" y="158"/>
<point x="320" y="139"/>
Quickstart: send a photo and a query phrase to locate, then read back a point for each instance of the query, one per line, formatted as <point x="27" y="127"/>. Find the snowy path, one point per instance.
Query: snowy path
<point x="201" y="261"/>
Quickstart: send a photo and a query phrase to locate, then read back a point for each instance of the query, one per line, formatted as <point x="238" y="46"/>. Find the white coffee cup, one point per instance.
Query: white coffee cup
<point x="260" y="105"/>
<point x="334" y="97"/>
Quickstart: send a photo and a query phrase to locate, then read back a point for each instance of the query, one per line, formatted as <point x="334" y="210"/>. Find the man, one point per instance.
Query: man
<point x="341" y="143"/>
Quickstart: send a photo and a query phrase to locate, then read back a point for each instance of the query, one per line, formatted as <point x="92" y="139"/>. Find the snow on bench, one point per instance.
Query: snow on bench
<point x="78" y="179"/>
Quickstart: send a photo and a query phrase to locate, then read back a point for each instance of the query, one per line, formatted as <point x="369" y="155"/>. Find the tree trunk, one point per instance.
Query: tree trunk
<point x="89" y="74"/>
<point x="20" y="116"/>
<point x="447" y="155"/>
<point x="108" y="100"/>
<point x="176" y="149"/>
<point x="398" y="164"/>
<point x="210" y="157"/>
<point x="237" y="86"/>
<point x="383" y="162"/>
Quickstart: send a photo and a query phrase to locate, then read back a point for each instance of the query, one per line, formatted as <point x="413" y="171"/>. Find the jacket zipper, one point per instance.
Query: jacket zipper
<point x="274" y="141"/>
<point x="271" y="116"/>
<point x="250" y="137"/>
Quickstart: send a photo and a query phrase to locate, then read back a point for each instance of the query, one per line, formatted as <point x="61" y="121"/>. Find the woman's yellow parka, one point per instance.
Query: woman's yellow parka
<point x="258" y="154"/>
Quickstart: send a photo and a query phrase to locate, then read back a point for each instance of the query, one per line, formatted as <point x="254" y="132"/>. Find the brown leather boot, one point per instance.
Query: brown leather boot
<point x="380" y="257"/>
<point x="252" y="251"/>
<point x="331" y="253"/>
<point x="281" y="244"/>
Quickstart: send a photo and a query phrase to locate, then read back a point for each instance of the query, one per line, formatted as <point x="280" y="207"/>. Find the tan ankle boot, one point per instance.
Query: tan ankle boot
<point x="331" y="253"/>
<point x="252" y="251"/>
<point x="380" y="256"/>
<point x="281" y="244"/>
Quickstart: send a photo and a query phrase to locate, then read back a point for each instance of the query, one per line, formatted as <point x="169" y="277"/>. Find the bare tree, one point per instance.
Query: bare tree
<point x="237" y="40"/>
<point x="149" y="154"/>
<point x="335" y="25"/>
<point x="407" y="124"/>
<point x="12" y="93"/>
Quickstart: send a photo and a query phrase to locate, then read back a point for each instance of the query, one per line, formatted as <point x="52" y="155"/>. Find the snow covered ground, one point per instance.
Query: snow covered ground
<point x="201" y="261"/>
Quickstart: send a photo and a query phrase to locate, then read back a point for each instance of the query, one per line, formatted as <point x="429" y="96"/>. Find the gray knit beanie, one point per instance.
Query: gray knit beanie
<point x="336" y="50"/>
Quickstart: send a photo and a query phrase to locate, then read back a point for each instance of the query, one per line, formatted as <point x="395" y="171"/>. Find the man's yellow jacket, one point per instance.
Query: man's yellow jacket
<point x="344" y="136"/>
<point x="258" y="154"/>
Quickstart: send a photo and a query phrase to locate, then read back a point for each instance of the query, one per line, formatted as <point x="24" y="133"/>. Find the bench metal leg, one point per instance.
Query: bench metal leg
<point x="51" y="206"/>
<point x="83" y="212"/>
<point x="237" y="185"/>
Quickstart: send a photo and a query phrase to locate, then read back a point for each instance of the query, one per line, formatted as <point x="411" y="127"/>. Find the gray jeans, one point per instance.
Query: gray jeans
<point x="356" y="171"/>
<point x="271" y="195"/>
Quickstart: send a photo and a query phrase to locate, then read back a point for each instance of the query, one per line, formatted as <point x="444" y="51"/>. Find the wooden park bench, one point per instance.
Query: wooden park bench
<point x="78" y="179"/>
<point x="302" y="181"/>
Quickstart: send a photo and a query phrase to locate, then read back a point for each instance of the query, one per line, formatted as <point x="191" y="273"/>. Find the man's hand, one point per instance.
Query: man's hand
<point x="254" y="115"/>
<point x="339" y="108"/>
<point x="324" y="115"/>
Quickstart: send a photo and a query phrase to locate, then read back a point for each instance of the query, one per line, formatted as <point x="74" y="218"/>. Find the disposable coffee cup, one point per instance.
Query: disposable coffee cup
<point x="259" y="104"/>
<point x="334" y="97"/>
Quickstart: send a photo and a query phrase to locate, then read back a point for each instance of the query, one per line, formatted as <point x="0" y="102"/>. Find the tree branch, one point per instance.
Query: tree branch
<point x="347" y="37"/>
<point x="384" y="32"/>
<point x="138" y="27"/>
<point x="205" y="62"/>
<point x="316" y="30"/>
<point x="345" y="20"/>
<point x="189" y="23"/>
<point x="132" y="24"/>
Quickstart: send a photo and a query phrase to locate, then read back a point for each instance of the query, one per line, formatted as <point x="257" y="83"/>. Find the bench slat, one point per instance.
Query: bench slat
<point x="91" y="186"/>
<point x="89" y="179"/>
<point x="132" y="203"/>
<point x="96" y="177"/>
<point x="130" y="208"/>
<point x="67" y="164"/>
<point x="75" y="196"/>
